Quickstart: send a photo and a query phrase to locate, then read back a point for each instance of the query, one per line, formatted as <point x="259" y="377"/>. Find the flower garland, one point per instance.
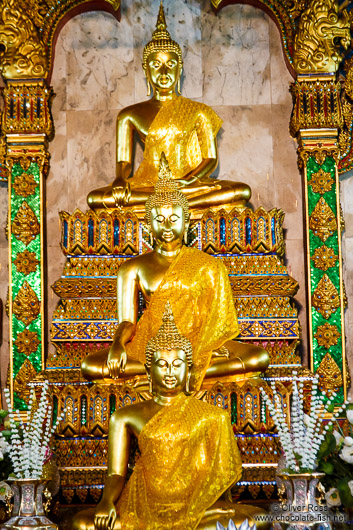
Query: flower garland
<point x="29" y="442"/>
<point x="301" y="442"/>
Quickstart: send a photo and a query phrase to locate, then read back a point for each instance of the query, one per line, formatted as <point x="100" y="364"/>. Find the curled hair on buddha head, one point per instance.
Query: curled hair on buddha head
<point x="165" y="191"/>
<point x="161" y="41"/>
<point x="168" y="338"/>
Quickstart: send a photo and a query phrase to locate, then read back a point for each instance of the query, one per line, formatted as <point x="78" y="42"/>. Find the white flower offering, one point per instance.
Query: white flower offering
<point x="29" y="442"/>
<point x="302" y="440"/>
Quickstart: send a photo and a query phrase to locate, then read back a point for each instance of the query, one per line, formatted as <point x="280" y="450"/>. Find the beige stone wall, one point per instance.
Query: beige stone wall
<point x="232" y="61"/>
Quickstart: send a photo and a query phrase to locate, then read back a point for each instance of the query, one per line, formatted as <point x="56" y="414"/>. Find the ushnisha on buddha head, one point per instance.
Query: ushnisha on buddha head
<point x="168" y="358"/>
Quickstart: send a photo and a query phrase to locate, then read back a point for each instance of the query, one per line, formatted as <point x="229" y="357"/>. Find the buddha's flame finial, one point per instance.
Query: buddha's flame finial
<point x="161" y="23"/>
<point x="164" y="172"/>
<point x="168" y="338"/>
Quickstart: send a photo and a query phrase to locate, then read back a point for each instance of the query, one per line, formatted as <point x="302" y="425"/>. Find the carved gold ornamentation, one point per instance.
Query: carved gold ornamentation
<point x="322" y="221"/>
<point x="25" y="225"/>
<point x="323" y="28"/>
<point x="275" y="286"/>
<point x="23" y="54"/>
<point x="325" y="298"/>
<point x="26" y="306"/>
<point x="330" y="377"/>
<point x="327" y="335"/>
<point x="26" y="373"/>
<point x="26" y="262"/>
<point x="316" y="104"/>
<point x="324" y="258"/>
<point x="24" y="185"/>
<point x="27" y="110"/>
<point x="321" y="182"/>
<point x="27" y="342"/>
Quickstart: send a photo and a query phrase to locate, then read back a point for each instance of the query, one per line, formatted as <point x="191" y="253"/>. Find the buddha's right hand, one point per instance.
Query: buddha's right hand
<point x="105" y="515"/>
<point x="116" y="362"/>
<point x="121" y="191"/>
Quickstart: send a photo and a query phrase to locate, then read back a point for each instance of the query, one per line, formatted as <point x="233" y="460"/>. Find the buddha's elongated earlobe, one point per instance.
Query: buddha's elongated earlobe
<point x="178" y="87"/>
<point x="187" y="385"/>
<point x="186" y="237"/>
<point x="148" y="86"/>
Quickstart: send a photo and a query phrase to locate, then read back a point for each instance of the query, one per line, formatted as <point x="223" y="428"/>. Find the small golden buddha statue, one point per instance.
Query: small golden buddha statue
<point x="183" y="129"/>
<point x="198" y="289"/>
<point x="188" y="454"/>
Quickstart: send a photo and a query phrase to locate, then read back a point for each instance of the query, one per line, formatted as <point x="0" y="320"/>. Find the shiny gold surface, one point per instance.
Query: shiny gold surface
<point x="23" y="53"/>
<point x="170" y="486"/>
<point x="323" y="28"/>
<point x="188" y="279"/>
<point x="184" y="130"/>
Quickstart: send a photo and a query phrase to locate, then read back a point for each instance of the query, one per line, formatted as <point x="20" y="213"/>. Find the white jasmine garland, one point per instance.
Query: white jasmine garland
<point x="301" y="442"/>
<point x="28" y="454"/>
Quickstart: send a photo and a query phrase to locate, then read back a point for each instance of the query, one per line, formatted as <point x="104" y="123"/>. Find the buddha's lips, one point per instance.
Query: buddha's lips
<point x="168" y="236"/>
<point x="170" y="380"/>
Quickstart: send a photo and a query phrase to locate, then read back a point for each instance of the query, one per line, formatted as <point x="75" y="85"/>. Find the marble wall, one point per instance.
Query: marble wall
<point x="233" y="61"/>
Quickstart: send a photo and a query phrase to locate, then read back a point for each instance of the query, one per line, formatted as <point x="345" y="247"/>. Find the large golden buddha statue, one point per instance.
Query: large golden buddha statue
<point x="188" y="454"/>
<point x="183" y="129"/>
<point x="198" y="289"/>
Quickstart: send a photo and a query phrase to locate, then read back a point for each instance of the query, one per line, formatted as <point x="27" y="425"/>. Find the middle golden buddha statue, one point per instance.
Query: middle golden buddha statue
<point x="198" y="289"/>
<point x="188" y="454"/>
<point x="183" y="129"/>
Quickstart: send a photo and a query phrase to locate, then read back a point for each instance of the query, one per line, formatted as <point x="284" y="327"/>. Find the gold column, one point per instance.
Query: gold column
<point x="316" y="118"/>
<point x="27" y="126"/>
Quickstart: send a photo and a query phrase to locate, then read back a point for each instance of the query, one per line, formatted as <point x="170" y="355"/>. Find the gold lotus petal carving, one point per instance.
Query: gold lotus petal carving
<point x="322" y="220"/>
<point x="321" y="182"/>
<point x="26" y="306"/>
<point x="26" y="262"/>
<point x="330" y="376"/>
<point x="25" y="226"/>
<point x="325" y="298"/>
<point x="327" y="335"/>
<point x="25" y="374"/>
<point x="324" y="258"/>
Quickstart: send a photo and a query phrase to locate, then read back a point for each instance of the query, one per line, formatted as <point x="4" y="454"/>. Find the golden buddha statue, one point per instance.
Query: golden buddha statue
<point x="188" y="454"/>
<point x="183" y="129"/>
<point x="198" y="289"/>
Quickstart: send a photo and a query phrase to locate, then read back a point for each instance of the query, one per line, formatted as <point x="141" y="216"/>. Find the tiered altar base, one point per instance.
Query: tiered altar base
<point x="251" y="246"/>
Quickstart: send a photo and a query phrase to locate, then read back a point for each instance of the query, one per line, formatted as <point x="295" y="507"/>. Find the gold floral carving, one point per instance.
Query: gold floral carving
<point x="24" y="185"/>
<point x="25" y="375"/>
<point x="23" y="53"/>
<point x="26" y="262"/>
<point x="325" y="298"/>
<point x="27" y="342"/>
<point x="321" y="182"/>
<point x="25" y="225"/>
<point x="330" y="376"/>
<point x="327" y="335"/>
<point x="324" y="258"/>
<point x="26" y="306"/>
<point x="322" y="221"/>
<point x="323" y="29"/>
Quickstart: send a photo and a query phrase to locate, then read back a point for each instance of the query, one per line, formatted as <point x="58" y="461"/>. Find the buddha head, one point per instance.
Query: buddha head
<point x="162" y="58"/>
<point x="168" y="358"/>
<point x="167" y="209"/>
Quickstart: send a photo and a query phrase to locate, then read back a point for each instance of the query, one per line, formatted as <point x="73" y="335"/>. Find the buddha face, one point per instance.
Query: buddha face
<point x="168" y="225"/>
<point x="169" y="371"/>
<point x="163" y="70"/>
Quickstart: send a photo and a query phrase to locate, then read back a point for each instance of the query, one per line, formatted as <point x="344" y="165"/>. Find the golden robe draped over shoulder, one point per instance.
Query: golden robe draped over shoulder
<point x="198" y="289"/>
<point x="183" y="129"/>
<point x="189" y="457"/>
